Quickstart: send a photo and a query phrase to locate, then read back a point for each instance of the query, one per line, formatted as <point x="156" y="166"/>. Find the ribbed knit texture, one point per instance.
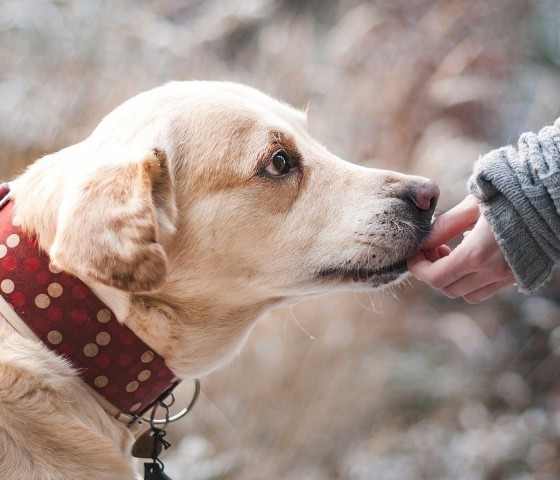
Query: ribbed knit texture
<point x="519" y="195"/>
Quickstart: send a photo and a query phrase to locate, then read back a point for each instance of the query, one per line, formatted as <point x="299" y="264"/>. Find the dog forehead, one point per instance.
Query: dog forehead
<point x="235" y="97"/>
<point x="266" y="104"/>
<point x="234" y="101"/>
<point x="210" y="108"/>
<point x="228" y="119"/>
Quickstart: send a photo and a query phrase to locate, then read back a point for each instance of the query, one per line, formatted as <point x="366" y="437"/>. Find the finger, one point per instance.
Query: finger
<point x="488" y="291"/>
<point x="438" y="253"/>
<point x="453" y="222"/>
<point x="469" y="283"/>
<point x="419" y="256"/>
<point x="433" y="255"/>
<point x="441" y="273"/>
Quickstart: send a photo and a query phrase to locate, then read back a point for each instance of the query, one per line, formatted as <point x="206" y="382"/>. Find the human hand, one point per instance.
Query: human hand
<point x="475" y="270"/>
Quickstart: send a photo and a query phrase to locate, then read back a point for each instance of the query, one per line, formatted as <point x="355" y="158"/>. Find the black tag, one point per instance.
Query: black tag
<point x="154" y="471"/>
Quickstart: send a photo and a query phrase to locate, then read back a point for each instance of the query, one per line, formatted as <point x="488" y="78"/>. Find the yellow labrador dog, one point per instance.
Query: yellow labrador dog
<point x="190" y="210"/>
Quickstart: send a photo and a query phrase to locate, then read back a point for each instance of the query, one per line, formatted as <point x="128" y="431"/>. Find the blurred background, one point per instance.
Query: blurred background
<point x="404" y="385"/>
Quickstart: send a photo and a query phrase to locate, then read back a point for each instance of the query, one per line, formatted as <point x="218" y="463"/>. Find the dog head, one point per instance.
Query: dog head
<point x="213" y="200"/>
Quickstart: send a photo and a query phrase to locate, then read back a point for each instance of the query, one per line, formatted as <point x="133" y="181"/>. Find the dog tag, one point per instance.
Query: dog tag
<point x="144" y="446"/>
<point x="154" y="471"/>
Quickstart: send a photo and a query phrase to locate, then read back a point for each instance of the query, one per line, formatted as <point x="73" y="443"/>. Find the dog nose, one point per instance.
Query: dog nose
<point x="424" y="194"/>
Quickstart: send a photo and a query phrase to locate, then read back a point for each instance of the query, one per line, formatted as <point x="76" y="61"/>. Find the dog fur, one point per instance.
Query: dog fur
<point x="172" y="212"/>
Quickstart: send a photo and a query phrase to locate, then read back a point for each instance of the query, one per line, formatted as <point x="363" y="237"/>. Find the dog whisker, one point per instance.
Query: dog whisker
<point x="301" y="327"/>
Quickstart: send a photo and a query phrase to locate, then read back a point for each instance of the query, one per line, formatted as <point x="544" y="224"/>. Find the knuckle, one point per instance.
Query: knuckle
<point x="437" y="283"/>
<point x="425" y="276"/>
<point x="503" y="270"/>
<point x="478" y="259"/>
<point x="437" y="280"/>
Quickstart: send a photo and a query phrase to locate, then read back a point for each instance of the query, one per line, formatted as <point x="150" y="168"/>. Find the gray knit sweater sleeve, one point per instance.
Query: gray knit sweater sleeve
<point x="519" y="194"/>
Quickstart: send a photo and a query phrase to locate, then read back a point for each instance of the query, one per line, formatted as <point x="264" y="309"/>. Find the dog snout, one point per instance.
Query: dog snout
<point x="424" y="195"/>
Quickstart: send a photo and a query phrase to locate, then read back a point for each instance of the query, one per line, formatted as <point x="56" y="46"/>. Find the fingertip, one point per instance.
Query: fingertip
<point x="420" y="268"/>
<point x="444" y="251"/>
<point x="472" y="300"/>
<point x="453" y="222"/>
<point x="413" y="260"/>
<point x="437" y="253"/>
<point x="436" y="236"/>
<point x="432" y="254"/>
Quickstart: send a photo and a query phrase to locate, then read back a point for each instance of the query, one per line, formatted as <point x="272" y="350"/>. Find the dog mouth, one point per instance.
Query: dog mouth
<point x="364" y="273"/>
<point x="360" y="274"/>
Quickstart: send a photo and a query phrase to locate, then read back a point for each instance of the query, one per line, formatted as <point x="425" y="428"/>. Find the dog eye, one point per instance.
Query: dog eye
<point x="279" y="165"/>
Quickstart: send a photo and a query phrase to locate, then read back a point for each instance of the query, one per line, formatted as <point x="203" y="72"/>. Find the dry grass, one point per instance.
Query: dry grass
<point x="348" y="386"/>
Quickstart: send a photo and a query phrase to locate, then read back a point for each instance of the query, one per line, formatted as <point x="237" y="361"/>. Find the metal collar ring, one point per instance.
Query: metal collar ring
<point x="173" y="418"/>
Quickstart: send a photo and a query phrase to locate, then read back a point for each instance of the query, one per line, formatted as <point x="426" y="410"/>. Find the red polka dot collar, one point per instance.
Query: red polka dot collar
<point x="65" y="314"/>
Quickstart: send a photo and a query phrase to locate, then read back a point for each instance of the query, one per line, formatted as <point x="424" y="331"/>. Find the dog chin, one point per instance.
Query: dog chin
<point x="367" y="277"/>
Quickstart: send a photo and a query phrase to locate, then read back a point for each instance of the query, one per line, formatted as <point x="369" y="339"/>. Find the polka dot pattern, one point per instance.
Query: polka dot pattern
<point x="12" y="241"/>
<point x="73" y="322"/>
<point x="54" y="337"/>
<point x="42" y="300"/>
<point x="103" y="338"/>
<point x="7" y="285"/>
<point x="55" y="290"/>
<point x="91" y="350"/>
<point x="132" y="386"/>
<point x="147" y="357"/>
<point x="101" y="381"/>
<point x="103" y="315"/>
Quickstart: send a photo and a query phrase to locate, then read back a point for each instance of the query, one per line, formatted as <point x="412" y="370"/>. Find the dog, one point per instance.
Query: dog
<point x="190" y="210"/>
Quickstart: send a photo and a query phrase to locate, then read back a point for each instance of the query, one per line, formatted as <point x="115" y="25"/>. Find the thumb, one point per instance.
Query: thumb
<point x="453" y="222"/>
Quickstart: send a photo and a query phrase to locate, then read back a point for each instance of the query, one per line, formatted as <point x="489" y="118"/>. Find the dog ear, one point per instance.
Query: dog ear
<point x="111" y="226"/>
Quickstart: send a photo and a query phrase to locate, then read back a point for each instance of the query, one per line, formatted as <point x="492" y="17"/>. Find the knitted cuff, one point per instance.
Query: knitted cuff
<point x="501" y="199"/>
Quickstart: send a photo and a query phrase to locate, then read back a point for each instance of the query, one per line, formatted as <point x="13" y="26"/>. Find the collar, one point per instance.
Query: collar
<point x="126" y="375"/>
